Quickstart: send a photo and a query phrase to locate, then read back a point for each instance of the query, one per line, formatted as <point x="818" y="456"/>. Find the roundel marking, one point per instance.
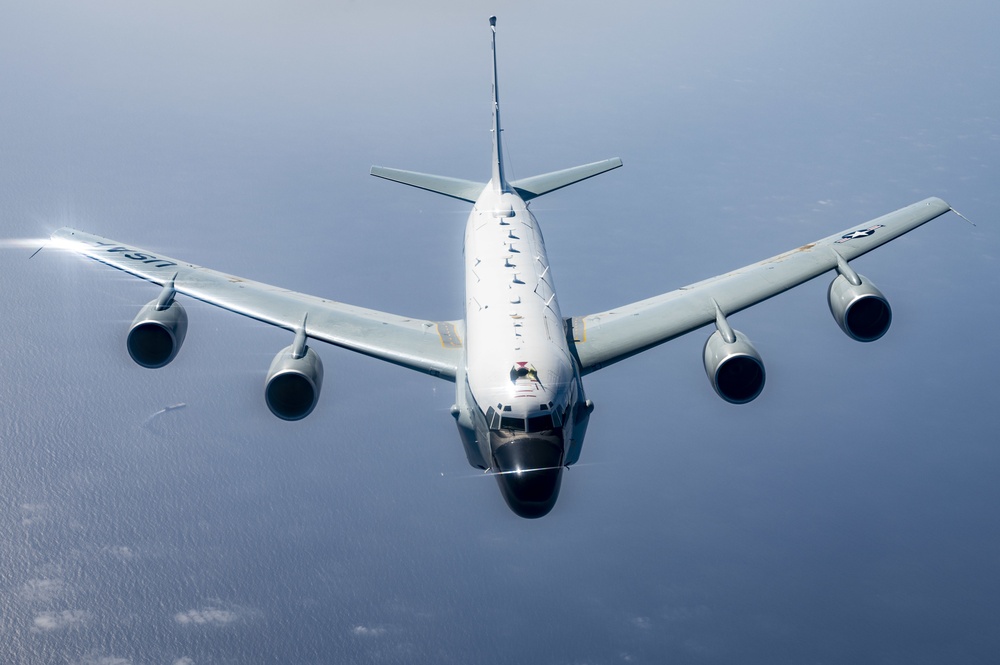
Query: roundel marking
<point x="860" y="233"/>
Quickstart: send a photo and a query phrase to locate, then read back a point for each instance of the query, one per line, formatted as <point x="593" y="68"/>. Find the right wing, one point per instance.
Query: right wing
<point x="431" y="347"/>
<point x="605" y="338"/>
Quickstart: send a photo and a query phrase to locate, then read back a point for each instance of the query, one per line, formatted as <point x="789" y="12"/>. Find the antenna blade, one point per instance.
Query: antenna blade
<point x="953" y="210"/>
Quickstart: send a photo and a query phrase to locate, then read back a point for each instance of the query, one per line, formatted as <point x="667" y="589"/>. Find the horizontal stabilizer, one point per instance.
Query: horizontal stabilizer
<point x="535" y="186"/>
<point x="464" y="190"/>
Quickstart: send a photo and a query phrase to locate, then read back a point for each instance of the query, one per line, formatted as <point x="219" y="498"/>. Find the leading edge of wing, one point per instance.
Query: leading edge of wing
<point x="431" y="347"/>
<point x="607" y="337"/>
<point x="456" y="188"/>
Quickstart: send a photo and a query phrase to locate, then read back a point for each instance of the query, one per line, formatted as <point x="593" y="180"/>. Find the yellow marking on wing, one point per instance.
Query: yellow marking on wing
<point x="449" y="336"/>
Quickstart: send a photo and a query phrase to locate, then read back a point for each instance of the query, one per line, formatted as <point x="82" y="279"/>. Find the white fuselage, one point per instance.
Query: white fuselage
<point x="518" y="359"/>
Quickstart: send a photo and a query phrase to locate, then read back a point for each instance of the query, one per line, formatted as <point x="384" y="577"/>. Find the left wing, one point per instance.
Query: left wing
<point x="605" y="338"/>
<point x="431" y="347"/>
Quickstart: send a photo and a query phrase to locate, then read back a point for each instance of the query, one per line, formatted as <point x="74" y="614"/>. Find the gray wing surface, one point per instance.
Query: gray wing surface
<point x="535" y="186"/>
<point x="431" y="347"/>
<point x="605" y="338"/>
<point x="456" y="188"/>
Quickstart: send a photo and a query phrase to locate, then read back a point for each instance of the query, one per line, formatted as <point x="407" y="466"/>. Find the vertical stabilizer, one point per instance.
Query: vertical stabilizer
<point x="498" y="181"/>
<point x="526" y="188"/>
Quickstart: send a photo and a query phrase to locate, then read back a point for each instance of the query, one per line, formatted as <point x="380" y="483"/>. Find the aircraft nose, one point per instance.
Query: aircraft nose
<point x="529" y="470"/>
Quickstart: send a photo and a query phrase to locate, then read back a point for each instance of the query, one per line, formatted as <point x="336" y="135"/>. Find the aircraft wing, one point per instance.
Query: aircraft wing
<point x="605" y="338"/>
<point x="431" y="347"/>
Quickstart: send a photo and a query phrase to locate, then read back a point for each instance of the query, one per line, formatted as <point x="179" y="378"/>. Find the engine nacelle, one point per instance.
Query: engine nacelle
<point x="156" y="335"/>
<point x="293" y="384"/>
<point x="860" y="310"/>
<point x="734" y="369"/>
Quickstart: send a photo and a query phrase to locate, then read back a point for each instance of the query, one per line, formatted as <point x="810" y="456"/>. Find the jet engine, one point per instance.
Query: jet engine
<point x="734" y="367"/>
<point x="859" y="308"/>
<point x="293" y="383"/>
<point x="157" y="333"/>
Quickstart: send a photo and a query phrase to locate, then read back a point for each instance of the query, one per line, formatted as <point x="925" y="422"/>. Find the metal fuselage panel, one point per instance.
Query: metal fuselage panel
<point x="517" y="356"/>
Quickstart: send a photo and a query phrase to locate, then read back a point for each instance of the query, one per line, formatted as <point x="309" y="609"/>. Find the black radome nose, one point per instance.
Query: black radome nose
<point x="528" y="473"/>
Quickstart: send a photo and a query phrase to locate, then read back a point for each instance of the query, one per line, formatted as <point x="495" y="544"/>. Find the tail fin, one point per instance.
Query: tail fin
<point x="496" y="177"/>
<point x="527" y="188"/>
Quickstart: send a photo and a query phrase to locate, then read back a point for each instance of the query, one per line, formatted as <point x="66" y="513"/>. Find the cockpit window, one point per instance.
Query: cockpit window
<point x="540" y="423"/>
<point x="516" y="424"/>
<point x="492" y="418"/>
<point x="550" y="419"/>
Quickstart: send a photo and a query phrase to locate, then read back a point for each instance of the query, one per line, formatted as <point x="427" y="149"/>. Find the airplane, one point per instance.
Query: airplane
<point x="516" y="361"/>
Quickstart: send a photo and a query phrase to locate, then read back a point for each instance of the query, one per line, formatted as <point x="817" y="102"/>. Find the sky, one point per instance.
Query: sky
<point x="848" y="514"/>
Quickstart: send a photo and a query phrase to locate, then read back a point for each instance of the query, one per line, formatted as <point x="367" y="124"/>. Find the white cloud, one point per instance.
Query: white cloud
<point x="32" y="513"/>
<point x="205" y="616"/>
<point x="105" y="660"/>
<point x="366" y="631"/>
<point x="42" y="590"/>
<point x="48" y="621"/>
<point x="184" y="661"/>
<point x="641" y="622"/>
<point x="122" y="552"/>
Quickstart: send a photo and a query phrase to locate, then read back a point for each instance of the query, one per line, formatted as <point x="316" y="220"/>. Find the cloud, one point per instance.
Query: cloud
<point x="184" y="661"/>
<point x="206" y="616"/>
<point x="641" y="622"/>
<point x="104" y="660"/>
<point x="32" y="513"/>
<point x="48" y="621"/>
<point x="42" y="590"/>
<point x="122" y="552"/>
<point x="366" y="631"/>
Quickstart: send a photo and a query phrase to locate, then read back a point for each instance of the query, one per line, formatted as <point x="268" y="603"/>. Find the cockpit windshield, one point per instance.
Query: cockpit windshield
<point x="540" y="423"/>
<point x="509" y="422"/>
<point x="543" y="422"/>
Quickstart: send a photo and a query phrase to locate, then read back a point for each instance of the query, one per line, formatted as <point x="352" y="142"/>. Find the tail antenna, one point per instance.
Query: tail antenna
<point x="499" y="182"/>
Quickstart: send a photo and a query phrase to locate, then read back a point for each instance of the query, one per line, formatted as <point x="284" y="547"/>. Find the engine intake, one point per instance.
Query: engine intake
<point x="293" y="383"/>
<point x="734" y="369"/>
<point x="860" y="309"/>
<point x="156" y="335"/>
